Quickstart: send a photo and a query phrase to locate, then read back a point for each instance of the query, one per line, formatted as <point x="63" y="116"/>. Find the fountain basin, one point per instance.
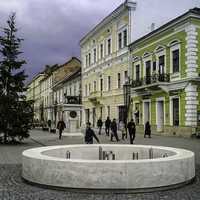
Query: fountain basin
<point x="49" y="166"/>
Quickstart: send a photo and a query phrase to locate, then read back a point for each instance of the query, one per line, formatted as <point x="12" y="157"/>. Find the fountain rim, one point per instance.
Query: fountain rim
<point x="37" y="153"/>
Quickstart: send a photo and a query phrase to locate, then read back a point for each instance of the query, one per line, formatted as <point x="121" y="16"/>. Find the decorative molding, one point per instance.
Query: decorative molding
<point x="192" y="49"/>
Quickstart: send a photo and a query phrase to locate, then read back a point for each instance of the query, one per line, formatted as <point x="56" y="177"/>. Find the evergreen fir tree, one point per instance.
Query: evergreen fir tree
<point x="15" y="111"/>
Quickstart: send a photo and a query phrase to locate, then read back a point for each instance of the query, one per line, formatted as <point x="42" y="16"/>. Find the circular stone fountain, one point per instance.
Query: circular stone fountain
<point x="108" y="166"/>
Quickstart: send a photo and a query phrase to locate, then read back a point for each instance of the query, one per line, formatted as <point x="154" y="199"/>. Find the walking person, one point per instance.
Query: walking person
<point x="131" y="130"/>
<point x="99" y="125"/>
<point x="89" y="134"/>
<point x="123" y="130"/>
<point x="49" y="125"/>
<point x="61" y="126"/>
<point x="147" y="130"/>
<point x="107" y="126"/>
<point x="114" y="130"/>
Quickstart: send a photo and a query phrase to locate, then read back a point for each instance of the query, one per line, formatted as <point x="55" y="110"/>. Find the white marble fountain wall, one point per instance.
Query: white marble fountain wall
<point x="48" y="166"/>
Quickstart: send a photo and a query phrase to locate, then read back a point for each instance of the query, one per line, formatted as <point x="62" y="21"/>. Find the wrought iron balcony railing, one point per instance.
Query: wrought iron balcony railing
<point x="73" y="99"/>
<point x="155" y="78"/>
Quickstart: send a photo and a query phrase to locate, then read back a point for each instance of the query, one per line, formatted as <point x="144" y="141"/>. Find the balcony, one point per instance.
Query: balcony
<point x="94" y="97"/>
<point x="151" y="80"/>
<point x="72" y="99"/>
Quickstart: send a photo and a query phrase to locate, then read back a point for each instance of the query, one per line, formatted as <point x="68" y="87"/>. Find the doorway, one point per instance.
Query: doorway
<point x="146" y="112"/>
<point x="160" y="116"/>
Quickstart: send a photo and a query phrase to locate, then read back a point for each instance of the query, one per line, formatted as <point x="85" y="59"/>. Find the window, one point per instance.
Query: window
<point x="125" y="37"/>
<point x="109" y="46"/>
<point x="95" y="55"/>
<point x="101" y="84"/>
<point x="161" y="64"/>
<point x="74" y="90"/>
<point x="89" y="88"/>
<point x="175" y="61"/>
<point x="95" y="86"/>
<point x="101" y="51"/>
<point x="109" y="83"/>
<point x="119" y="40"/>
<point x="70" y="91"/>
<point x="137" y="72"/>
<point x="101" y="112"/>
<point x="154" y="66"/>
<point x="119" y="80"/>
<point x="108" y="108"/>
<point x="125" y="76"/>
<point x="175" y="104"/>
<point x="85" y="90"/>
<point x="86" y="60"/>
<point x="89" y="57"/>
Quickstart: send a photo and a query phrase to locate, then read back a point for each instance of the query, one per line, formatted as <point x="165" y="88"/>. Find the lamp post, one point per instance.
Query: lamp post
<point x="55" y="111"/>
<point x="127" y="99"/>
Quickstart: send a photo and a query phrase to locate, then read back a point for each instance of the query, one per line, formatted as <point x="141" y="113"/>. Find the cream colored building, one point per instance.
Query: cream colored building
<point x="34" y="94"/>
<point x="104" y="55"/>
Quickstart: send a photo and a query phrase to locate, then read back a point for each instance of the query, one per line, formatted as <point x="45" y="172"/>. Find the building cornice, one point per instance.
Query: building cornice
<point x="193" y="13"/>
<point x="126" y="5"/>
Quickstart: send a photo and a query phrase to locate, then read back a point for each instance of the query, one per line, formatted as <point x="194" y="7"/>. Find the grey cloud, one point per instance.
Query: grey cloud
<point x="52" y="29"/>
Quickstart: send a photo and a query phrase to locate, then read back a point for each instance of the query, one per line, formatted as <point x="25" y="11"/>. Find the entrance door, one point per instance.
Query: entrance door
<point x="148" y="72"/>
<point x="160" y="116"/>
<point x="175" y="104"/>
<point x="122" y="113"/>
<point x="93" y="117"/>
<point x="87" y="115"/>
<point x="146" y="112"/>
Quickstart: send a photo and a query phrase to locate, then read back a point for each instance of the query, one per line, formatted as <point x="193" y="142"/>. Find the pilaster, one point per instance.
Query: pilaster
<point x="191" y="105"/>
<point x="191" y="51"/>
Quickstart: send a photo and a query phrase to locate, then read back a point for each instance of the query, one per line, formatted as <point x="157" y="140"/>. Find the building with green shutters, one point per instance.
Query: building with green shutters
<point x="165" y="77"/>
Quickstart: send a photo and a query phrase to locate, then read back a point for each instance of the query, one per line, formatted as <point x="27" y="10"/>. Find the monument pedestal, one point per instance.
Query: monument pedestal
<point x="73" y="131"/>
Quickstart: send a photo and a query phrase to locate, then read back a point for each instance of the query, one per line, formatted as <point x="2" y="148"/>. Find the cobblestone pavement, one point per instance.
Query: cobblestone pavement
<point x="12" y="187"/>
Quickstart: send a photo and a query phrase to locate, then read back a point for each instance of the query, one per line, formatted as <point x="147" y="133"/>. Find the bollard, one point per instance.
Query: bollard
<point x="165" y="155"/>
<point x="68" y="155"/>
<point x="135" y="156"/>
<point x="113" y="156"/>
<point x="100" y="153"/>
<point x="104" y="155"/>
<point x="150" y="153"/>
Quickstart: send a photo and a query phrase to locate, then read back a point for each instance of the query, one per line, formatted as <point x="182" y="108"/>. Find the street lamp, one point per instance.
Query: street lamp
<point x="127" y="99"/>
<point x="55" y="111"/>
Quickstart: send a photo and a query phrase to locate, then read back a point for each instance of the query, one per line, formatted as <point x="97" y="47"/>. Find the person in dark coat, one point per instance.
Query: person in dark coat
<point x="114" y="130"/>
<point x="89" y="134"/>
<point x="49" y="124"/>
<point x="99" y="125"/>
<point x="61" y="126"/>
<point x="147" y="129"/>
<point x="131" y="130"/>
<point x="107" y="126"/>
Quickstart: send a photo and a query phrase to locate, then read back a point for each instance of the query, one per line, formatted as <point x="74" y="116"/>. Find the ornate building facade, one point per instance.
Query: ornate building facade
<point x="104" y="55"/>
<point x="165" y="69"/>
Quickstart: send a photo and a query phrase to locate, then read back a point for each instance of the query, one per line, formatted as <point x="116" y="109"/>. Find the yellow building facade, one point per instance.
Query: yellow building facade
<point x="105" y="61"/>
<point x="34" y="93"/>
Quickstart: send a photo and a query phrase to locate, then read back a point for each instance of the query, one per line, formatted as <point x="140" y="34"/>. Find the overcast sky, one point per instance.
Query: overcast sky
<point x="52" y="29"/>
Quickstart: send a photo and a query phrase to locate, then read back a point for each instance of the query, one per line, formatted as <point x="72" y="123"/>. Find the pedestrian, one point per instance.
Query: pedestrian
<point x="49" y="125"/>
<point x="89" y="134"/>
<point x="147" y="130"/>
<point x="107" y="126"/>
<point x="99" y="125"/>
<point x="61" y="126"/>
<point x="114" y="130"/>
<point x="131" y="130"/>
<point x="123" y="130"/>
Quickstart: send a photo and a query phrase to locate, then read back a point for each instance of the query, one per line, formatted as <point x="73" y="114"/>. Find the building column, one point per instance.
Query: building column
<point x="83" y="124"/>
<point x="191" y="53"/>
<point x="191" y="105"/>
